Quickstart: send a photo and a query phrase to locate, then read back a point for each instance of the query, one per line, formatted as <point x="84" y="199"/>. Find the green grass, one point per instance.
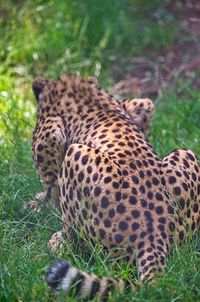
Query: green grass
<point x="50" y="38"/>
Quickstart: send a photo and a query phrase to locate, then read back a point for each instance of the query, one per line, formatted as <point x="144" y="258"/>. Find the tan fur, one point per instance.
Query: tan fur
<point x="112" y="185"/>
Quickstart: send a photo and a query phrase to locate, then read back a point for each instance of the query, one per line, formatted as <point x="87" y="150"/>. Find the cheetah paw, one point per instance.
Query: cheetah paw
<point x="36" y="204"/>
<point x="56" y="242"/>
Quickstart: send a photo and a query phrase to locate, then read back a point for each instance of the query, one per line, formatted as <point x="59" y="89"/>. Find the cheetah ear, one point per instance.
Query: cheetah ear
<point x="93" y="80"/>
<point x="140" y="111"/>
<point x="38" y="85"/>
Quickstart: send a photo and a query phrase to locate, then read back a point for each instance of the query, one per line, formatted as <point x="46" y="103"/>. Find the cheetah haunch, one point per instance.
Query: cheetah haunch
<point x="93" y="151"/>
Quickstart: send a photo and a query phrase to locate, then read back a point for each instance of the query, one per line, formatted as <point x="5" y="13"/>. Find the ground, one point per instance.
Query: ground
<point x="151" y="73"/>
<point x="91" y="45"/>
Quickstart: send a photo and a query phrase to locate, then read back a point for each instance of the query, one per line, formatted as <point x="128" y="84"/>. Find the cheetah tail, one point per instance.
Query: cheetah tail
<point x="62" y="276"/>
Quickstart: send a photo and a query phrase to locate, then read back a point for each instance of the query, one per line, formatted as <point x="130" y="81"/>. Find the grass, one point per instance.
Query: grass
<point x="50" y="38"/>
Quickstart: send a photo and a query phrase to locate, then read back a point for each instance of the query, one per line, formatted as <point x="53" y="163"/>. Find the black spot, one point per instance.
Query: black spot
<point x="97" y="191"/>
<point x="162" y="220"/>
<point x="141" y="173"/>
<point x="148" y="184"/>
<point x="163" y="181"/>
<point x="193" y="226"/>
<point x="150" y="257"/>
<point x="188" y="213"/>
<point x="98" y="160"/>
<point x="115" y="185"/>
<point x="178" y="173"/>
<point x="155" y="181"/>
<point x="191" y="157"/>
<point x="95" y="289"/>
<point x="71" y="193"/>
<point x="123" y="225"/>
<point x="129" y="250"/>
<point x="135" y="179"/>
<point x="159" y="197"/>
<point x="149" y="173"/>
<point x="194" y="176"/>
<point x="71" y="173"/>
<point x="132" y="200"/>
<point x="142" y="189"/>
<point x="111" y="213"/>
<point x="135" y="213"/>
<point x="118" y="196"/>
<point x="140" y="254"/>
<point x="100" y="214"/>
<point x="77" y="155"/>
<point x="40" y="147"/>
<point x="95" y="177"/>
<point x="143" y="203"/>
<point x="135" y="226"/>
<point x="107" y="179"/>
<point x="94" y="208"/>
<point x="78" y="192"/>
<point x="40" y="158"/>
<point x="185" y="186"/>
<point x="84" y="159"/>
<point x="84" y="213"/>
<point x="107" y="223"/>
<point x="151" y="162"/>
<point x="164" y="235"/>
<point x="172" y="180"/>
<point x="182" y="203"/>
<point x="109" y="169"/>
<point x="71" y="149"/>
<point x="86" y="191"/>
<point x="121" y="208"/>
<point x="140" y="245"/>
<point x="159" y="210"/>
<point x="80" y="176"/>
<point x="151" y="206"/>
<point x="77" y="284"/>
<point x="104" y="202"/>
<point x="171" y="226"/>
<point x="63" y="191"/>
<point x="119" y="238"/>
<point x="161" y="227"/>
<point x="186" y="163"/>
<point x="102" y="233"/>
<point x="177" y="191"/>
<point x="195" y="208"/>
<point x="134" y="191"/>
<point x="133" y="237"/>
<point x="125" y="172"/>
<point x="125" y="185"/>
<point x="151" y="238"/>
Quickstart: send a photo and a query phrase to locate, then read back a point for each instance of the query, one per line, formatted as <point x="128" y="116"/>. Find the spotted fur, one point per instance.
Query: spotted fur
<point x="111" y="183"/>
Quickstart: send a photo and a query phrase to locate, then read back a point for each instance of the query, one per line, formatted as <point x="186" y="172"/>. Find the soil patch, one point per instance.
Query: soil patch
<point x="150" y="75"/>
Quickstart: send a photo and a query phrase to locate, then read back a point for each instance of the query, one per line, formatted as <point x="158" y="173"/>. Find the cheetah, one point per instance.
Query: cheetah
<point x="50" y="135"/>
<point x="110" y="183"/>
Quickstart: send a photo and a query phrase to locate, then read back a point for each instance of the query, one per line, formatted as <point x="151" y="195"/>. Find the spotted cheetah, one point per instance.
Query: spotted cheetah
<point x="111" y="184"/>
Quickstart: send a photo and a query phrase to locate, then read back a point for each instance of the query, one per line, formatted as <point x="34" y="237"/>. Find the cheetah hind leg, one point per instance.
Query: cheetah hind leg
<point x="87" y="285"/>
<point x="181" y="178"/>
